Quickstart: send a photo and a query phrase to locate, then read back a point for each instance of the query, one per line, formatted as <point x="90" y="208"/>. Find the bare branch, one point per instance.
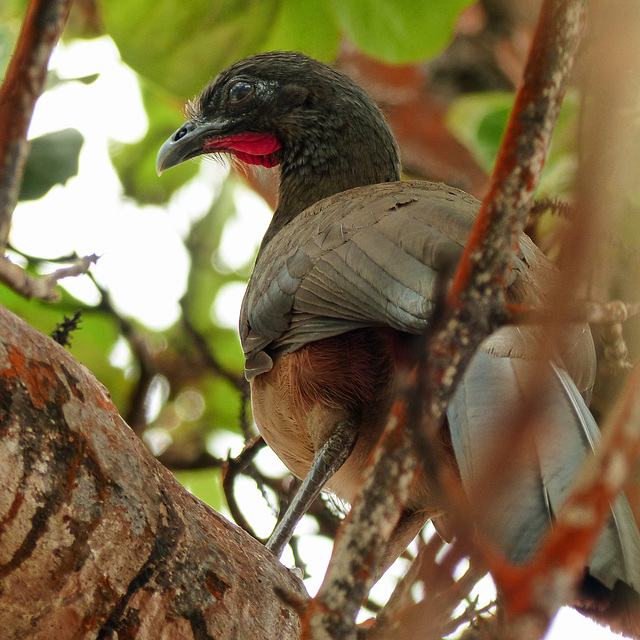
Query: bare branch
<point x="404" y="616"/>
<point x="211" y="361"/>
<point x="476" y="297"/>
<point x="489" y="251"/>
<point x="231" y="468"/>
<point x="362" y="541"/>
<point x="23" y="84"/>
<point x="613" y="312"/>
<point x="42" y="287"/>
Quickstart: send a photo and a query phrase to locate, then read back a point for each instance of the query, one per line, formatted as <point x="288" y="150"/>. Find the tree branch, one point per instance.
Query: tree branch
<point x="97" y="539"/>
<point x="475" y="307"/>
<point x="490" y="249"/>
<point x="23" y="84"/>
<point x="362" y="541"/>
<point x="41" y="287"/>
<point x="476" y="298"/>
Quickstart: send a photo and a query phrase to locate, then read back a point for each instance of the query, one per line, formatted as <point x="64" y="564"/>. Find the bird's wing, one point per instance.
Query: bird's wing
<point x="366" y="257"/>
<point x="373" y="256"/>
<point x="528" y="475"/>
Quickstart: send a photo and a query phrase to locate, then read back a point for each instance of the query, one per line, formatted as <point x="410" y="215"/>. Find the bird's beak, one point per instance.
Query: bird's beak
<point x="187" y="142"/>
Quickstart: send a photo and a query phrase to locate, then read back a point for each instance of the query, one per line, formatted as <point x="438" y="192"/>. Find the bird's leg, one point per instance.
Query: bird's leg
<point x="329" y="458"/>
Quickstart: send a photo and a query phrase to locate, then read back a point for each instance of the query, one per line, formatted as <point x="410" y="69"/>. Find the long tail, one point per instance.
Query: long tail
<point x="539" y="474"/>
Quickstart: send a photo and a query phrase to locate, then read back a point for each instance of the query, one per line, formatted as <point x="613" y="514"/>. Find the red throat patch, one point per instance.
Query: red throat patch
<point x="251" y="148"/>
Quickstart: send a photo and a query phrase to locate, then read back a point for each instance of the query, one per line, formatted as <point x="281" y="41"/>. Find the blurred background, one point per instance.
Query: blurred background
<point x="160" y="307"/>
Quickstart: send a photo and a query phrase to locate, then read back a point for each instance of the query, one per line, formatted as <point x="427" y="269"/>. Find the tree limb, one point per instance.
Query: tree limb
<point x="97" y="539"/>
<point x="41" y="287"/>
<point x="23" y="84"/>
<point x="475" y="301"/>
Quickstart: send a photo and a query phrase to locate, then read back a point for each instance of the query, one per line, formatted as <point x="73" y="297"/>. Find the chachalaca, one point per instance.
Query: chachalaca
<point x="346" y="275"/>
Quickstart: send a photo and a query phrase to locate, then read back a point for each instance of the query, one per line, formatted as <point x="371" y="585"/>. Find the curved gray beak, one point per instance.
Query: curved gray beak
<point x="187" y="142"/>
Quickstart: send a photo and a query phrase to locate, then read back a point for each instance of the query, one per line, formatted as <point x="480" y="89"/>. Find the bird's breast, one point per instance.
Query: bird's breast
<point x="350" y="377"/>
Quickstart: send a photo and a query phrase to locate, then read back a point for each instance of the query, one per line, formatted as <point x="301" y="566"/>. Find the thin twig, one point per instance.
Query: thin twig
<point x="230" y="470"/>
<point x="63" y="331"/>
<point x="204" y="460"/>
<point x="211" y="361"/>
<point x="613" y="312"/>
<point x="135" y="414"/>
<point x="554" y="205"/>
<point x="41" y="287"/>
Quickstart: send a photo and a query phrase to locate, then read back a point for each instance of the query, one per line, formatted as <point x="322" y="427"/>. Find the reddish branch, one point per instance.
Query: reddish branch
<point x="560" y="559"/>
<point x="23" y="84"/>
<point x="489" y="251"/>
<point x="476" y="298"/>
<point x="404" y="615"/>
<point x="476" y="303"/>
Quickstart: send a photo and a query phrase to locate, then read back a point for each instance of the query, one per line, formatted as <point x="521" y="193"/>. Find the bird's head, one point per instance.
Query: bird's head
<point x="284" y="108"/>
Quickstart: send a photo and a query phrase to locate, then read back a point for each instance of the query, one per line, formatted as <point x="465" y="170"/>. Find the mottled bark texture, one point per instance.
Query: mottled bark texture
<point x="97" y="539"/>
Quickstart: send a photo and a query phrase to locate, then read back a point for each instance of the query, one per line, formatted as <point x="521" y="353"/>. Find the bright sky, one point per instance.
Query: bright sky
<point x="143" y="260"/>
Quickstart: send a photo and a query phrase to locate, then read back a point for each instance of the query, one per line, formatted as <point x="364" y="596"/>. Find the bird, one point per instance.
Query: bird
<point x="347" y="276"/>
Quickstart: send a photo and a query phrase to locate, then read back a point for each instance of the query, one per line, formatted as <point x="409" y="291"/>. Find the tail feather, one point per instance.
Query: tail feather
<point x="539" y="472"/>
<point x="617" y="555"/>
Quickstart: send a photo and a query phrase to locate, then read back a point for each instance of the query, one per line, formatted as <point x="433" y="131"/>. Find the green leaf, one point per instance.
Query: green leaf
<point x="181" y="45"/>
<point x="7" y="41"/>
<point x="223" y="405"/>
<point x="478" y="120"/>
<point x="309" y="26"/>
<point x="53" y="159"/>
<point x="398" y="31"/>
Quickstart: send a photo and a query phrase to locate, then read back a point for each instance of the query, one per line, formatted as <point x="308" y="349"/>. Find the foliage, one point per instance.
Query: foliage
<point x="479" y="121"/>
<point x="53" y="159"/>
<point x="205" y="37"/>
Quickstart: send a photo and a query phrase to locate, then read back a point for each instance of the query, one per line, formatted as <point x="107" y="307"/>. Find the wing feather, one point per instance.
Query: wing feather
<point x="522" y="506"/>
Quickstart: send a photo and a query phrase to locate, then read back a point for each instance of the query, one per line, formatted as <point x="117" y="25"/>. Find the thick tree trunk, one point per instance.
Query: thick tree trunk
<point x="97" y="539"/>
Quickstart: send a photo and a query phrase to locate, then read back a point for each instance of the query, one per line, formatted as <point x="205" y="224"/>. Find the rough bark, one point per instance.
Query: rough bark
<point x="97" y="539"/>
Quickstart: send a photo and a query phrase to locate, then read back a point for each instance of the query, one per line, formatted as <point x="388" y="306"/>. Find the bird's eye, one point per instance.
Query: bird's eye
<point x="240" y="91"/>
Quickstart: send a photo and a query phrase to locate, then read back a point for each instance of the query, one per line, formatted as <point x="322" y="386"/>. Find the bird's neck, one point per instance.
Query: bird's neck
<point x="330" y="161"/>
